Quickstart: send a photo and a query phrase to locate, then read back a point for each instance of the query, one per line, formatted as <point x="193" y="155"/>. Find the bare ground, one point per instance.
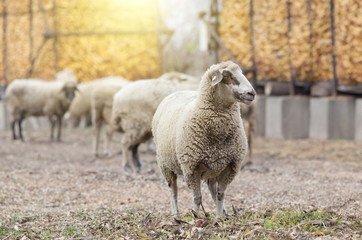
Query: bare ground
<point x="62" y="181"/>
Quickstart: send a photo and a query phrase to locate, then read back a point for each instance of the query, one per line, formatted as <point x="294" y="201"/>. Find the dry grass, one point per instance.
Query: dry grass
<point x="304" y="189"/>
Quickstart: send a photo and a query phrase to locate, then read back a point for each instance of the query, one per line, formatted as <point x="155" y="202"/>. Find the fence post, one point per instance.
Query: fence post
<point x="310" y="26"/>
<point x="214" y="22"/>
<point x="5" y="65"/>
<point x="251" y="18"/>
<point x="31" y="40"/>
<point x="335" y="79"/>
<point x="55" y="52"/>
<point x="291" y="71"/>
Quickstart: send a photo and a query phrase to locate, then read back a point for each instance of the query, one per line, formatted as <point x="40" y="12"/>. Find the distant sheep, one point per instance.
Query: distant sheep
<point x="101" y="105"/>
<point x="81" y="104"/>
<point x="200" y="135"/>
<point x="134" y="106"/>
<point x="34" y="97"/>
<point x="248" y="114"/>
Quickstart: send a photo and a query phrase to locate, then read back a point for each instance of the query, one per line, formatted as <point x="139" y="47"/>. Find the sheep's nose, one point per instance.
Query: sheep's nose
<point x="251" y="93"/>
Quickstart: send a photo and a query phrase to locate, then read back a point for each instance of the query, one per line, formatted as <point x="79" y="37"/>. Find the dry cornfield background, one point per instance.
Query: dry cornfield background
<point x="309" y="39"/>
<point x="294" y="189"/>
<point x="133" y="55"/>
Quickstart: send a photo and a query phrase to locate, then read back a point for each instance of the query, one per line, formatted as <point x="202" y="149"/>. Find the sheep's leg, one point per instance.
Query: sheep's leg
<point x="171" y="179"/>
<point x="75" y="121"/>
<point x="211" y="183"/>
<point x="220" y="194"/>
<point x="109" y="133"/>
<point x="250" y="142"/>
<point x="136" y="159"/>
<point x="59" y="127"/>
<point x="193" y="181"/>
<point x="222" y="183"/>
<point x="52" y="125"/>
<point x="127" y="157"/>
<point x="13" y="123"/>
<point x="20" y="129"/>
<point x="96" y="133"/>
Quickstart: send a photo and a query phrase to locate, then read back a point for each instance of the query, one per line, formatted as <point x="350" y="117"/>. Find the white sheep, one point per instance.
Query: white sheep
<point x="200" y="135"/>
<point x="134" y="106"/>
<point x="35" y="97"/>
<point x="101" y="105"/>
<point x="81" y="104"/>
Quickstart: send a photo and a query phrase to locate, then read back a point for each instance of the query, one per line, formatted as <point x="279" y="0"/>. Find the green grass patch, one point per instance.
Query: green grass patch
<point x="145" y="224"/>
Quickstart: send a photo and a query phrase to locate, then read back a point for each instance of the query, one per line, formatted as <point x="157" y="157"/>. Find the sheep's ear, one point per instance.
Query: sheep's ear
<point x="216" y="77"/>
<point x="63" y="89"/>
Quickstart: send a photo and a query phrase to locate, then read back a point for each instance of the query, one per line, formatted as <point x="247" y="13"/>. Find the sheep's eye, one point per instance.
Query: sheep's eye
<point x="236" y="82"/>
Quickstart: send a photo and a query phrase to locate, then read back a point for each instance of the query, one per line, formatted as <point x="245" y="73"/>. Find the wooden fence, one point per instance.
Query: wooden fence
<point x="296" y="41"/>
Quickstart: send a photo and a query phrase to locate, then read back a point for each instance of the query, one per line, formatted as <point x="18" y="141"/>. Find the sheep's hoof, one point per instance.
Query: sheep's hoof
<point x="225" y="213"/>
<point x="128" y="168"/>
<point x="178" y="219"/>
<point x="107" y="154"/>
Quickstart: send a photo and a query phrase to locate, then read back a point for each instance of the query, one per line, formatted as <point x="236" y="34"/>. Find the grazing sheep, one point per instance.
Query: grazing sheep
<point x="200" y="135"/>
<point x="134" y="106"/>
<point x="101" y="105"/>
<point x="81" y="104"/>
<point x="34" y="97"/>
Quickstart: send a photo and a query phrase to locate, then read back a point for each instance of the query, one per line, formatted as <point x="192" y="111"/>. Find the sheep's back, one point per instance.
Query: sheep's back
<point x="143" y="96"/>
<point x="30" y="96"/>
<point x="81" y="104"/>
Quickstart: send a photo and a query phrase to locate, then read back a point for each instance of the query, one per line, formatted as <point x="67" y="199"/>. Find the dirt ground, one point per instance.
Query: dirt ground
<point x="51" y="178"/>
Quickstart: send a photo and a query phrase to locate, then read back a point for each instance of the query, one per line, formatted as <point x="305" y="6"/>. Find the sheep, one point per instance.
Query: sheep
<point x="248" y="114"/>
<point x="200" y="135"/>
<point x="101" y="108"/>
<point x="35" y="97"/>
<point x="81" y="104"/>
<point x="134" y="106"/>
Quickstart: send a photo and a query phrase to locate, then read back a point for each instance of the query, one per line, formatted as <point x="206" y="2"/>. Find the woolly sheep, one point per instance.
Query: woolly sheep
<point x="35" y="97"/>
<point x="200" y="135"/>
<point x="101" y="105"/>
<point x="134" y="106"/>
<point x="81" y="104"/>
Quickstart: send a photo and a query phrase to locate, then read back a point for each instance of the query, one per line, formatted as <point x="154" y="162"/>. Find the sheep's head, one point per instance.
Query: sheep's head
<point x="69" y="90"/>
<point x="231" y="84"/>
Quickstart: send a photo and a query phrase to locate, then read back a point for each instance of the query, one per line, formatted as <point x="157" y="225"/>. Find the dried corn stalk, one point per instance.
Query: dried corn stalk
<point x="310" y="38"/>
<point x="133" y="56"/>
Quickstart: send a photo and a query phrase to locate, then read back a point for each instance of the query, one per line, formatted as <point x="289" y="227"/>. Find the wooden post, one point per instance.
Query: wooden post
<point x="251" y="18"/>
<point x="310" y="25"/>
<point x="55" y="50"/>
<point x="214" y="24"/>
<point x="335" y="79"/>
<point x="31" y="40"/>
<point x="5" y="65"/>
<point x="43" y="14"/>
<point x="159" y="45"/>
<point x="223" y="47"/>
<point x="291" y="71"/>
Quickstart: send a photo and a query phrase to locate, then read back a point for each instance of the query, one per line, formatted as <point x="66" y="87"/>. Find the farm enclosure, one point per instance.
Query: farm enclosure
<point x="58" y="190"/>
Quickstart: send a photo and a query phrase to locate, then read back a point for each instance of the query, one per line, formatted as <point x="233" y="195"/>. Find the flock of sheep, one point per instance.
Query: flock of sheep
<point x="197" y="125"/>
